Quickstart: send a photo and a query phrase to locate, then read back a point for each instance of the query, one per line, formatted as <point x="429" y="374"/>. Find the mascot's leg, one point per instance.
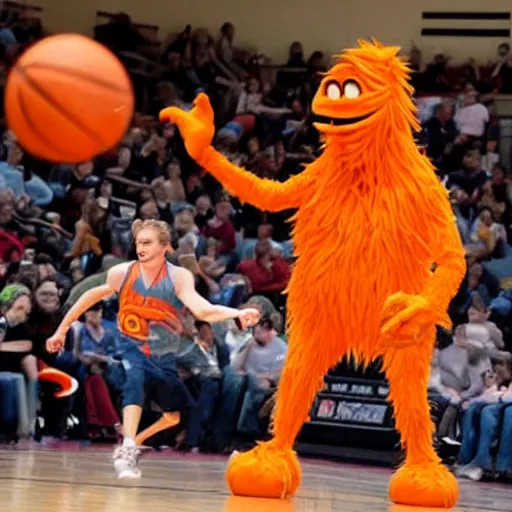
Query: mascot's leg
<point x="272" y="470"/>
<point x="422" y="480"/>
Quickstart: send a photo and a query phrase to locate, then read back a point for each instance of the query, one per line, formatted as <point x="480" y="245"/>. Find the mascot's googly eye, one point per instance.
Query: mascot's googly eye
<point x="351" y="90"/>
<point x="333" y="91"/>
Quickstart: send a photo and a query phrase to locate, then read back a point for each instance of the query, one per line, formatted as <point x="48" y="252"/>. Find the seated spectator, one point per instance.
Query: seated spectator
<point x="260" y="362"/>
<point x="440" y="134"/>
<point x="211" y="357"/>
<point x="90" y="231"/>
<point x="479" y="330"/>
<point x="488" y="238"/>
<point x="173" y="185"/>
<point x="186" y="257"/>
<point x="236" y="338"/>
<point x="45" y="267"/>
<point x="503" y="69"/>
<point x="481" y="429"/>
<point x="496" y="195"/>
<point x="210" y="263"/>
<point x="225" y="50"/>
<point x="488" y="200"/>
<point x="183" y="224"/>
<point x="221" y="228"/>
<point x="472" y="117"/>
<point x="161" y="199"/>
<point x="204" y="211"/>
<point x="268" y="273"/>
<point x="466" y="185"/>
<point x="16" y="347"/>
<point x="149" y="210"/>
<point x="96" y="347"/>
<point x="21" y="180"/>
<point x="462" y="364"/>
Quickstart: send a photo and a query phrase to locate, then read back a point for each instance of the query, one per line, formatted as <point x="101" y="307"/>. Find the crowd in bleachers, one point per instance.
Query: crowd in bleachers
<point x="62" y="227"/>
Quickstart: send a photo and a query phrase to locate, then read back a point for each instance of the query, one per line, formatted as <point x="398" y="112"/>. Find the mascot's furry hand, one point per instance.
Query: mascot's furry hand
<point x="405" y="318"/>
<point x="196" y="127"/>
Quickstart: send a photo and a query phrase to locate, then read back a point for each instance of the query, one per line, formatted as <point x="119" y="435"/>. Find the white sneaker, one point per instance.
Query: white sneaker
<point x="126" y="462"/>
<point x="475" y="474"/>
<point x="450" y="441"/>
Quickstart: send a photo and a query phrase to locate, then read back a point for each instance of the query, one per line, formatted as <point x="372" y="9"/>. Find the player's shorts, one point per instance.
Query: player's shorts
<point x="153" y="377"/>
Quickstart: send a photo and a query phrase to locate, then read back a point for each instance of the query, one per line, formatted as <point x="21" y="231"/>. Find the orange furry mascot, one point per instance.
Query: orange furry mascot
<point x="378" y="261"/>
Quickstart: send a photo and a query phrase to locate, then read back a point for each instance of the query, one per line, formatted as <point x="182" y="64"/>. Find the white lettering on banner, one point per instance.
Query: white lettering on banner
<point x="339" y="387"/>
<point x="383" y="391"/>
<point x="354" y="412"/>
<point x="357" y="389"/>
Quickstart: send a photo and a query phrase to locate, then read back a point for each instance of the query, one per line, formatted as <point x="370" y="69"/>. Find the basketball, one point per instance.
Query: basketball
<point x="68" y="99"/>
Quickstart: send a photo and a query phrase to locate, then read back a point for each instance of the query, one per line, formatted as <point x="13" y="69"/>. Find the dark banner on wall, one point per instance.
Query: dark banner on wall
<point x="352" y="402"/>
<point x="466" y="24"/>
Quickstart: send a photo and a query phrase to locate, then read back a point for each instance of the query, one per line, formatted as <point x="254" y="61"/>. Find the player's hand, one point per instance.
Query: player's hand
<point x="55" y="343"/>
<point x="248" y="317"/>
<point x="196" y="127"/>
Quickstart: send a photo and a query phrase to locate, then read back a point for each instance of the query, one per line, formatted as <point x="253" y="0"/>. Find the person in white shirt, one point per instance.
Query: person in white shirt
<point x="472" y="117"/>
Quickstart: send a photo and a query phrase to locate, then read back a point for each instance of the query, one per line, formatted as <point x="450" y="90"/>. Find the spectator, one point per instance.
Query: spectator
<point x="503" y="69"/>
<point x="466" y="185"/>
<point x="215" y="358"/>
<point x="204" y="211"/>
<point x="488" y="238"/>
<point x="21" y="180"/>
<point x="96" y="346"/>
<point x="260" y="362"/>
<point x="268" y="273"/>
<point x="236" y="339"/>
<point x="472" y="117"/>
<point x="479" y="441"/>
<point x="16" y="347"/>
<point x="90" y="232"/>
<point x="221" y="228"/>
<point x="440" y="133"/>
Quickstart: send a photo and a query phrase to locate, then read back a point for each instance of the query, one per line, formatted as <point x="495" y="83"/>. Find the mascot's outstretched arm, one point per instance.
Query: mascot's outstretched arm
<point x="197" y="129"/>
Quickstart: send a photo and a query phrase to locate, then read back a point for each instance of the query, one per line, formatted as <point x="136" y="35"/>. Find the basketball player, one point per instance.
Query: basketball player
<point x="151" y="292"/>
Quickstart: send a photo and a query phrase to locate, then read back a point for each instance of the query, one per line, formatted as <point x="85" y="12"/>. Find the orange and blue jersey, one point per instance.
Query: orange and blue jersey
<point x="150" y="315"/>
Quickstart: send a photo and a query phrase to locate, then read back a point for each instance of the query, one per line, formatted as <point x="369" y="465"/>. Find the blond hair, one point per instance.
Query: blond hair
<point x="160" y="226"/>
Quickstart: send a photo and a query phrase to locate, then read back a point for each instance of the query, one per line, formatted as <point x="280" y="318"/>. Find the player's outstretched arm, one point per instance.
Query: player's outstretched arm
<point x="114" y="279"/>
<point x="204" y="310"/>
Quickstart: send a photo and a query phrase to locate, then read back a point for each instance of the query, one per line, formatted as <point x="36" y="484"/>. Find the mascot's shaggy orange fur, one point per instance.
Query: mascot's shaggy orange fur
<point x="378" y="261"/>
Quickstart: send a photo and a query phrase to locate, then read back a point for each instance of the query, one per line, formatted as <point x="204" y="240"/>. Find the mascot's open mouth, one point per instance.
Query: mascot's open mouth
<point x="339" y="121"/>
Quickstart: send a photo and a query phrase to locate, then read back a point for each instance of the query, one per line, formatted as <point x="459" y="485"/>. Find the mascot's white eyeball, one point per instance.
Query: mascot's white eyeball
<point x="333" y="91"/>
<point x="351" y="90"/>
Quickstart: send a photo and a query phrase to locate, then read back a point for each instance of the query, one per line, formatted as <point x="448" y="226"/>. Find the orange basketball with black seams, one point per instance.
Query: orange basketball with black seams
<point x="68" y="99"/>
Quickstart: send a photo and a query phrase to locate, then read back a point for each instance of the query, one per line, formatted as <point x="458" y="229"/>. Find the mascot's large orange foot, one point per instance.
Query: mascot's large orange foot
<point x="425" y="485"/>
<point x="264" y="472"/>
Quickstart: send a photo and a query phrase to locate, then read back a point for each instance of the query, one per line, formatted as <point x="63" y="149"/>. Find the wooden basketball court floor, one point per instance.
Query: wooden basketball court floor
<point x="81" y="480"/>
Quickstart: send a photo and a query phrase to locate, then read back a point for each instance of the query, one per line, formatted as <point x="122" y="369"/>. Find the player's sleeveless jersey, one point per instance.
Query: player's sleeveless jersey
<point x="150" y="315"/>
